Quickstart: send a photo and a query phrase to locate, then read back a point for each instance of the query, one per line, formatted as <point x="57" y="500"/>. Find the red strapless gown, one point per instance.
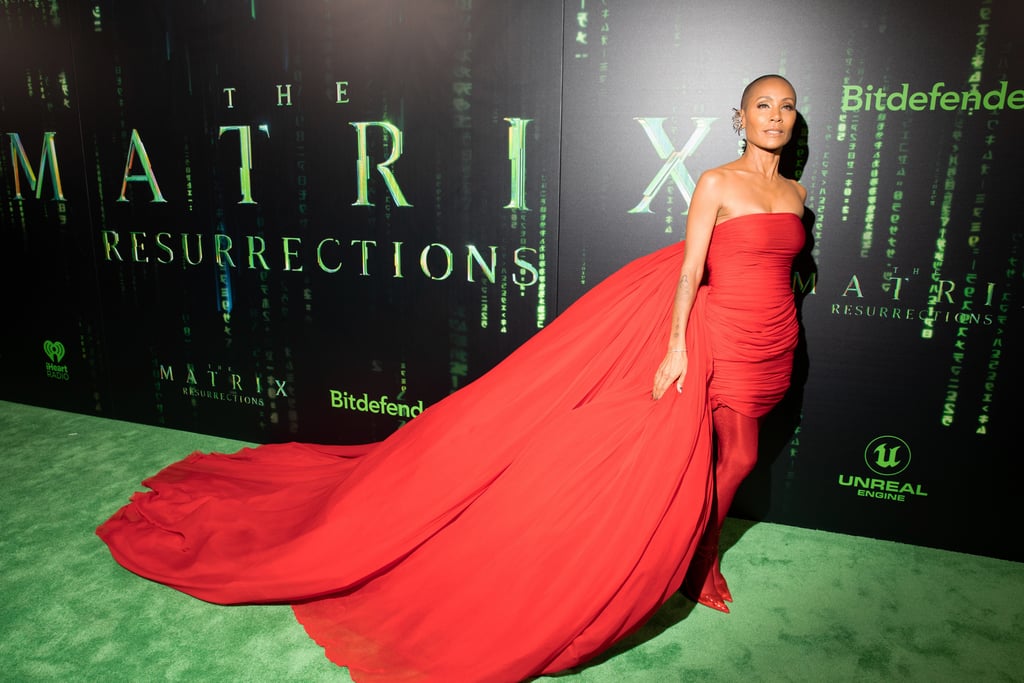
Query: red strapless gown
<point x="517" y="527"/>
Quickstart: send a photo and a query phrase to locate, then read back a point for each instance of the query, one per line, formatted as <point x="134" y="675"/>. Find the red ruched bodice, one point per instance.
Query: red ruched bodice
<point x="748" y="306"/>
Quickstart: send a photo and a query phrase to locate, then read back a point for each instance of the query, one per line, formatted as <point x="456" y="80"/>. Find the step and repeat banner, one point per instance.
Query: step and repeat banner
<point x="310" y="220"/>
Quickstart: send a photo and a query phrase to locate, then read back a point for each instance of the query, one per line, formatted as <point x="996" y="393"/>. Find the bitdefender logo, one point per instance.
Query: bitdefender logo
<point x="936" y="98"/>
<point x="377" y="406"/>
<point x="886" y="457"/>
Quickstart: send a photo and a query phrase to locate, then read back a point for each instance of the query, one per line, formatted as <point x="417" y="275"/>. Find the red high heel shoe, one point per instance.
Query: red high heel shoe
<point x="720" y="584"/>
<point x="701" y="583"/>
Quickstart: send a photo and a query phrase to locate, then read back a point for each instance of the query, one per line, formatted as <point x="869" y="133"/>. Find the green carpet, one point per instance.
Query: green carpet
<point x="810" y="605"/>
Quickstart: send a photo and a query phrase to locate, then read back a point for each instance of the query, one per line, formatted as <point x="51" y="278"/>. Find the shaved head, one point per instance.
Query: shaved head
<point x="761" y="79"/>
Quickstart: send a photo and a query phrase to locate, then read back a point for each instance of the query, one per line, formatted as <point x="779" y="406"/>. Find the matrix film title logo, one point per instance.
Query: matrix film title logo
<point x="55" y="351"/>
<point x="226" y="385"/>
<point x="885" y="456"/>
<point x="437" y="261"/>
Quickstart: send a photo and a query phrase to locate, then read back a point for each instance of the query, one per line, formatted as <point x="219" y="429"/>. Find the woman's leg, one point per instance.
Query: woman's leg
<point x="735" y="457"/>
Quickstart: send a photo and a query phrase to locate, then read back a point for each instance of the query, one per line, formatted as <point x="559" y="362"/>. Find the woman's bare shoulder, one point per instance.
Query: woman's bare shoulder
<point x="799" y="189"/>
<point x="717" y="179"/>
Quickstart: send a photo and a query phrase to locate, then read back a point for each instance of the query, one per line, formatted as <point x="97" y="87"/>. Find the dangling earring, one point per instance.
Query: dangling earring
<point x="737" y="121"/>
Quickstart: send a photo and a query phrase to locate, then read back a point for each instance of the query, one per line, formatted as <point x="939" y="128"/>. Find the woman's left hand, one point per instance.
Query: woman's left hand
<point x="672" y="369"/>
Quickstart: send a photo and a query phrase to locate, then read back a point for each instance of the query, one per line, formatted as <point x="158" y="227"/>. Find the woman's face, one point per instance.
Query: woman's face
<point x="769" y="114"/>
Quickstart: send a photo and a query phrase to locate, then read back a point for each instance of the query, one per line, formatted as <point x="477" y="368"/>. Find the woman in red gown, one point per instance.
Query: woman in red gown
<point x="527" y="522"/>
<point x="754" y="214"/>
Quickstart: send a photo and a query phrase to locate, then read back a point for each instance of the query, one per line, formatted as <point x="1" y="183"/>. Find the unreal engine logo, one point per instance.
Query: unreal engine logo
<point x="55" y="351"/>
<point x="885" y="457"/>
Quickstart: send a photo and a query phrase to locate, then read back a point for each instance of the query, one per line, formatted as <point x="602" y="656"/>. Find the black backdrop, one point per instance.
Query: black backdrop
<point x="220" y="251"/>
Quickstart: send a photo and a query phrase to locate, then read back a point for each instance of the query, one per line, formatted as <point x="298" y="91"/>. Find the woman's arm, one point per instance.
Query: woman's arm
<point x="700" y="222"/>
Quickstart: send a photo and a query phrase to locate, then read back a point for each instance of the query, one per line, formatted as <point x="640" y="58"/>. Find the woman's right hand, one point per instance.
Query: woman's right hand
<point x="672" y="369"/>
